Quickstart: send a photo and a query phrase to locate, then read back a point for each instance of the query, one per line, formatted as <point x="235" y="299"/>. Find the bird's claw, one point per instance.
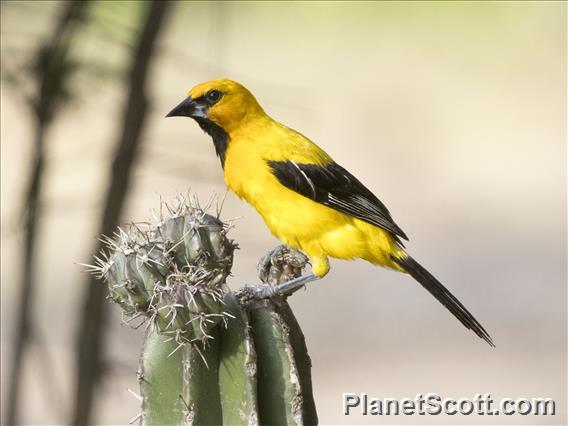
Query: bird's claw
<point x="281" y="264"/>
<point x="280" y="271"/>
<point x="265" y="291"/>
<point x="256" y="292"/>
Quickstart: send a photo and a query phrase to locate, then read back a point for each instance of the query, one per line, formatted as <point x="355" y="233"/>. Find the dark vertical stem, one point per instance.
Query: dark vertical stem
<point x="27" y="290"/>
<point x="91" y="329"/>
<point x="50" y="61"/>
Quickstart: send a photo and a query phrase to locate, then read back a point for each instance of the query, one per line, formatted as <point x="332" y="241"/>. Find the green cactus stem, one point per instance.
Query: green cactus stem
<point x="178" y="382"/>
<point x="238" y="367"/>
<point x="282" y="400"/>
<point x="161" y="383"/>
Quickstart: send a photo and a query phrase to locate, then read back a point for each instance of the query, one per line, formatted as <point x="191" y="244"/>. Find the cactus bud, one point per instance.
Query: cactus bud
<point x="172" y="272"/>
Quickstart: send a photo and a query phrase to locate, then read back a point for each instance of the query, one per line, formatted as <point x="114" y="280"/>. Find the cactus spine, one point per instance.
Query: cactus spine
<point x="210" y="356"/>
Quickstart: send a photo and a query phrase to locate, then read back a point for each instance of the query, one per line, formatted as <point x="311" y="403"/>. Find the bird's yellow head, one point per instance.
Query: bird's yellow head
<point x="219" y="103"/>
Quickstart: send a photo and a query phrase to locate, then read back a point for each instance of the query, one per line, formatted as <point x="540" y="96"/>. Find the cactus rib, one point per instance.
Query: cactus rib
<point x="238" y="368"/>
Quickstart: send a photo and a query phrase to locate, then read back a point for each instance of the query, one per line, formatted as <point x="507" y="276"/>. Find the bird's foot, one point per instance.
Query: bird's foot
<point x="281" y="264"/>
<point x="280" y="271"/>
<point x="287" y="288"/>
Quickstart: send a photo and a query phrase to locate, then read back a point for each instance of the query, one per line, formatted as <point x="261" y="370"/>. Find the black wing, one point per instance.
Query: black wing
<point x="335" y="187"/>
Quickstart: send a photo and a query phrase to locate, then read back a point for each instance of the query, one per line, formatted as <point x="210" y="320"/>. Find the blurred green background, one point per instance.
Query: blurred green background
<point x="453" y="113"/>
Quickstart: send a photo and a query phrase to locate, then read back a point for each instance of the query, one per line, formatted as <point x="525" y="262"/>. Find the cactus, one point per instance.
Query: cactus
<point x="210" y="355"/>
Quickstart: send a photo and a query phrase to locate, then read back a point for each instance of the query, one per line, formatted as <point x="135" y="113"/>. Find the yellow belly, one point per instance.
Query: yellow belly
<point x="316" y="229"/>
<point x="297" y="221"/>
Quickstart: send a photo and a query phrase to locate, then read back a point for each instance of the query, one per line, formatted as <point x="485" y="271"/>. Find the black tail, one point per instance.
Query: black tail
<point x="435" y="287"/>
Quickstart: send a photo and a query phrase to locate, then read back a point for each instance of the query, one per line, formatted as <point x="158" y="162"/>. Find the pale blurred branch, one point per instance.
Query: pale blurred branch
<point x="51" y="381"/>
<point x="93" y="322"/>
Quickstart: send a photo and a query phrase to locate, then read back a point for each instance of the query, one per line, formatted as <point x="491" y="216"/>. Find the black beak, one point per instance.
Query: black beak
<point x="188" y="108"/>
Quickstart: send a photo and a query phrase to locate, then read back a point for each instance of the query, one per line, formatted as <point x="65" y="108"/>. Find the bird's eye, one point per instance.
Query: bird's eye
<point x="213" y="96"/>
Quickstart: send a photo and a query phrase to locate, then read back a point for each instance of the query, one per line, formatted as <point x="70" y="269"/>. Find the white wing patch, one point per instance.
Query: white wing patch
<point x="313" y="188"/>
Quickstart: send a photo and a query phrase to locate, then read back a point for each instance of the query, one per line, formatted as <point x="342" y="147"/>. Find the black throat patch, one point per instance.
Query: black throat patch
<point x="219" y="136"/>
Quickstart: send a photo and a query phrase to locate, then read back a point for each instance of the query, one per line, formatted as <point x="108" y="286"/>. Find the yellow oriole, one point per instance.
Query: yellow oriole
<point x="307" y="200"/>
